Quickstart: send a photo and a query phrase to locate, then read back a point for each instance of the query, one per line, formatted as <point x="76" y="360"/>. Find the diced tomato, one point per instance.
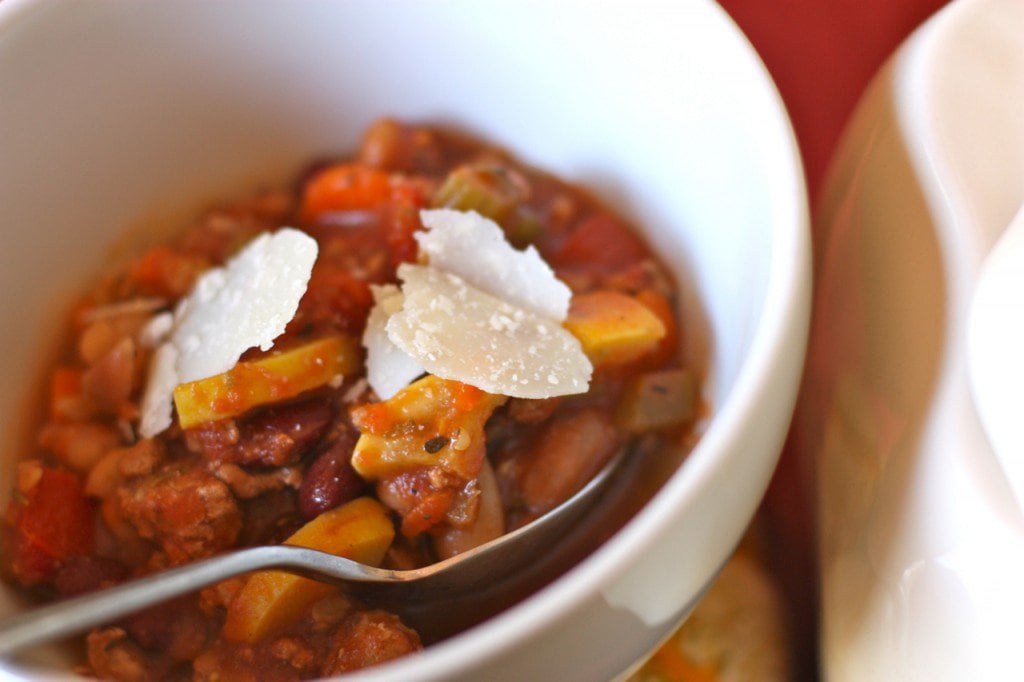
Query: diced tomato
<point x="402" y="221"/>
<point x="51" y="522"/>
<point x="65" y="385"/>
<point x="428" y="512"/>
<point x="599" y="243"/>
<point x="376" y="418"/>
<point x="466" y="398"/>
<point x="162" y="271"/>
<point x="344" y="187"/>
<point x="335" y="294"/>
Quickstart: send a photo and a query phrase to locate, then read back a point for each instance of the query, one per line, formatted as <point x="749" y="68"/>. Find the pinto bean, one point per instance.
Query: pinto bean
<point x="488" y="523"/>
<point x="567" y="455"/>
<point x="330" y="480"/>
<point x="79" y="445"/>
<point x="108" y="383"/>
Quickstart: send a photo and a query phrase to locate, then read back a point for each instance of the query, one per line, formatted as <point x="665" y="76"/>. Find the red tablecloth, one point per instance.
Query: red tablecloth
<point x="822" y="54"/>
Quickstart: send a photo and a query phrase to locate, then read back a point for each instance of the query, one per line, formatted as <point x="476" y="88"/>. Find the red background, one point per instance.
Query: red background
<point x="821" y="54"/>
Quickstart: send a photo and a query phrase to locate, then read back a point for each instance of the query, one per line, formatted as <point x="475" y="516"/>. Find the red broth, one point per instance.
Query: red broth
<point x="95" y="504"/>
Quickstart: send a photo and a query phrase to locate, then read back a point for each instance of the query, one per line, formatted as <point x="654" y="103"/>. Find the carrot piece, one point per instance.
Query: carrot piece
<point x="344" y="187"/>
<point x="360" y="530"/>
<point x="268" y="380"/>
<point x="406" y="201"/>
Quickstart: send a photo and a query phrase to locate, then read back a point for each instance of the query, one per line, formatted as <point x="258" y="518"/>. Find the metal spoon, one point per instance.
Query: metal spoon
<point x="456" y="575"/>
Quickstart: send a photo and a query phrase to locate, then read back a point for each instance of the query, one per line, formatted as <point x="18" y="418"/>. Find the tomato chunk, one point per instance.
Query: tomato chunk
<point x="600" y="243"/>
<point x="51" y="520"/>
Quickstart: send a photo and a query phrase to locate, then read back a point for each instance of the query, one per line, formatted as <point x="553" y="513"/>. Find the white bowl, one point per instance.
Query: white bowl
<point x="921" y="537"/>
<point x="117" y="115"/>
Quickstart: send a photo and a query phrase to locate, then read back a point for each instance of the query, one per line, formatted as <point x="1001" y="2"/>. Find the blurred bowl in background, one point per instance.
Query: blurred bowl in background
<point x="921" y="538"/>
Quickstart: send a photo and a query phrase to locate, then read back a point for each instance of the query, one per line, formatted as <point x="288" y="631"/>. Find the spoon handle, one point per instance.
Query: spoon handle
<point x="78" y="614"/>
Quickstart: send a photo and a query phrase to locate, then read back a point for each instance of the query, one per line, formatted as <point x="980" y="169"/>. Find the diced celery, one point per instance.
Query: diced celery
<point x="487" y="188"/>
<point x="658" y="400"/>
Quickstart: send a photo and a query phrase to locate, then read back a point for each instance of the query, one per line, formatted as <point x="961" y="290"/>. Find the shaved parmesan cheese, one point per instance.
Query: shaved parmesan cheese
<point x="157" y="330"/>
<point x="245" y="304"/>
<point x="473" y="247"/>
<point x="158" y="399"/>
<point x="482" y="312"/>
<point x="389" y="369"/>
<point x="456" y="331"/>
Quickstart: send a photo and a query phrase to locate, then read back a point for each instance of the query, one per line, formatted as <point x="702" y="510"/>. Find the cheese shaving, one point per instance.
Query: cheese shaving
<point x="389" y="369"/>
<point x="244" y="304"/>
<point x="482" y="340"/>
<point x="473" y="247"/>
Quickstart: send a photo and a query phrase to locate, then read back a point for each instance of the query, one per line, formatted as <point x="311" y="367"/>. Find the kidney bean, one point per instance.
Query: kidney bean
<point x="330" y="480"/>
<point x="277" y="436"/>
<point x="281" y="435"/>
<point x="86" y="573"/>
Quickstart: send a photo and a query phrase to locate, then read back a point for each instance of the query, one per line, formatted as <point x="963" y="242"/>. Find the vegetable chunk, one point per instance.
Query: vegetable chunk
<point x="267" y="380"/>
<point x="360" y="530"/>
<point x="432" y="422"/>
<point x="344" y="187"/>
<point x="52" y="522"/>
<point x="613" y="328"/>
<point x="658" y="400"/>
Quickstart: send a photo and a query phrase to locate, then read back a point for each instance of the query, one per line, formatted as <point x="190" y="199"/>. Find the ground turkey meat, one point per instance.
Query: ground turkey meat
<point x="369" y="638"/>
<point x="113" y="656"/>
<point x="187" y="511"/>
